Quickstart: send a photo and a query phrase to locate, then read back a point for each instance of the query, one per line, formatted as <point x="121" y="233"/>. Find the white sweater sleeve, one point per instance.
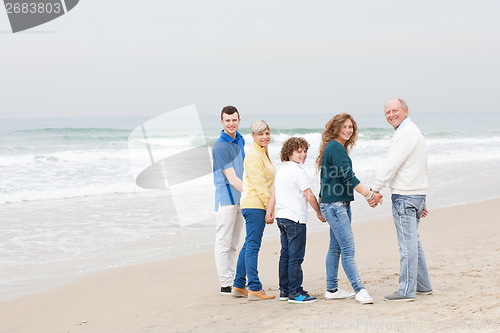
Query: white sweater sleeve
<point x="402" y="145"/>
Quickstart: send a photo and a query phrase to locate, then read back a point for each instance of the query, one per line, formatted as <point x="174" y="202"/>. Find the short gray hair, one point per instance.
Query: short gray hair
<point x="403" y="103"/>
<point x="259" y="126"/>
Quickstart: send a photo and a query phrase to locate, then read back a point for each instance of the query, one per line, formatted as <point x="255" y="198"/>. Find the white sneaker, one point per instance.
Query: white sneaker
<point x="363" y="297"/>
<point x="339" y="294"/>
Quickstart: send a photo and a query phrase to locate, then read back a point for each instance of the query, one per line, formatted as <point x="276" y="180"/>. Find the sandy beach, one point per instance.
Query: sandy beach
<point x="462" y="245"/>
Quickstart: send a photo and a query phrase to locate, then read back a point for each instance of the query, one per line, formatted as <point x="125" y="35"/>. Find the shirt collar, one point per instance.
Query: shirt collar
<point x="261" y="150"/>
<point x="293" y="164"/>
<point x="228" y="138"/>
<point x="403" y="124"/>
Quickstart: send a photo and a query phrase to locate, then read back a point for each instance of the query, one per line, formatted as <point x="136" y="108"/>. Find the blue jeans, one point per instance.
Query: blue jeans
<point x="293" y="249"/>
<point x="407" y="211"/>
<point x="338" y="215"/>
<point x="247" y="260"/>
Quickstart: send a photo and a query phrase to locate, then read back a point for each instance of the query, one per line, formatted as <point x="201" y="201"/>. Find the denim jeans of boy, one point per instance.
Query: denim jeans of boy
<point x="338" y="215"/>
<point x="413" y="275"/>
<point x="293" y="249"/>
<point x="248" y="258"/>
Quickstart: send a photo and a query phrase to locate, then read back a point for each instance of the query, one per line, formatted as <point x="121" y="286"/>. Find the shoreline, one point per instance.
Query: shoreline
<point x="181" y="294"/>
<point x="362" y="214"/>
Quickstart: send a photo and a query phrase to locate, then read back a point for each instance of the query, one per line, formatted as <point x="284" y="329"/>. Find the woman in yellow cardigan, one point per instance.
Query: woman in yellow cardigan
<point x="258" y="183"/>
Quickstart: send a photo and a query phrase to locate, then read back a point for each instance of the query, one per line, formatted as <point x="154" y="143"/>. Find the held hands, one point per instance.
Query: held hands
<point x="374" y="200"/>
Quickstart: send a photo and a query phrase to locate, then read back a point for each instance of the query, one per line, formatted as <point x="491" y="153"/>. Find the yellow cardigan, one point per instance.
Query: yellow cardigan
<point x="258" y="178"/>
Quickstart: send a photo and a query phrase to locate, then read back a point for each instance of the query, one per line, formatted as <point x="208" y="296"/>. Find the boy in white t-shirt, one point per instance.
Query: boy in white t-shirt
<point x="290" y="196"/>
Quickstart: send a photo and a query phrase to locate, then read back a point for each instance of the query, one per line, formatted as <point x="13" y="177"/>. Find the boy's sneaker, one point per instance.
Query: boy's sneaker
<point x="339" y="294"/>
<point x="259" y="295"/>
<point x="301" y="298"/>
<point x="363" y="297"/>
<point x="421" y="292"/>
<point x="225" y="291"/>
<point x="283" y="295"/>
<point x="398" y="298"/>
<point x="239" y="292"/>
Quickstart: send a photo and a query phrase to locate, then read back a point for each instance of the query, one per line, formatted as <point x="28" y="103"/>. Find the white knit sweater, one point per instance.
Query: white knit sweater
<point x="405" y="169"/>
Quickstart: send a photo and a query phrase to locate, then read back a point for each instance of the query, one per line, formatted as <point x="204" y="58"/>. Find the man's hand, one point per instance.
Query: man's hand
<point x="425" y="212"/>
<point x="377" y="199"/>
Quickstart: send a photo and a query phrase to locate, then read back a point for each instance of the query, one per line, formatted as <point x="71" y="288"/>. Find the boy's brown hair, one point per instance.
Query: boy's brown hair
<point x="292" y="144"/>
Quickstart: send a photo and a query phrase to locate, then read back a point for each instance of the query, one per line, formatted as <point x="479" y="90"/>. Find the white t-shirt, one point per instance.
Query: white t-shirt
<point x="290" y="183"/>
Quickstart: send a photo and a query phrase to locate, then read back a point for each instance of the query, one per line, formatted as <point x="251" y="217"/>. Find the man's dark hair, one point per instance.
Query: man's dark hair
<point x="229" y="110"/>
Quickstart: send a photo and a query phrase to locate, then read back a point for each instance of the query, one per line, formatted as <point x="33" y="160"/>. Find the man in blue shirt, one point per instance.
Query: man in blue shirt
<point x="228" y="154"/>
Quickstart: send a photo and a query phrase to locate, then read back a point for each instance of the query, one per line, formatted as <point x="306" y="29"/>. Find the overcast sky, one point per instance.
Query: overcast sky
<point x="142" y="58"/>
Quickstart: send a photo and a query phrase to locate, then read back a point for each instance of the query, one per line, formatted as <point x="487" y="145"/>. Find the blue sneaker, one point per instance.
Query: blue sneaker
<point x="283" y="295"/>
<point x="301" y="298"/>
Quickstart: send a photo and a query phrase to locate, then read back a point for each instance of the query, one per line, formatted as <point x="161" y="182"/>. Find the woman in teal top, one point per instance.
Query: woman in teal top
<point x="336" y="193"/>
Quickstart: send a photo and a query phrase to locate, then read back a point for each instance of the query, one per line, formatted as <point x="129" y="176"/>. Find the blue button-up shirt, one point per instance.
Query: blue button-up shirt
<point x="227" y="153"/>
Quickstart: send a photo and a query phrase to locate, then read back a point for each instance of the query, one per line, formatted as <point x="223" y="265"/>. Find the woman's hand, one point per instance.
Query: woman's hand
<point x="320" y="217"/>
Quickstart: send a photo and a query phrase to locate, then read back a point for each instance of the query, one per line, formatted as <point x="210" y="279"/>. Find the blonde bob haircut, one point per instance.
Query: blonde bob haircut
<point x="259" y="126"/>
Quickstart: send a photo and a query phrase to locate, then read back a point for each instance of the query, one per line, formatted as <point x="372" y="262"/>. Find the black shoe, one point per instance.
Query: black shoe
<point x="283" y="295"/>
<point x="225" y="290"/>
<point x="301" y="298"/>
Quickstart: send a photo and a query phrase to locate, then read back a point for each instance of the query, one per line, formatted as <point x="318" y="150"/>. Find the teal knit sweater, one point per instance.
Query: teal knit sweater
<point x="337" y="178"/>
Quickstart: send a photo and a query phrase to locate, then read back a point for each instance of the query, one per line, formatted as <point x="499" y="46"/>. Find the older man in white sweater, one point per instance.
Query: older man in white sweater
<point x="405" y="172"/>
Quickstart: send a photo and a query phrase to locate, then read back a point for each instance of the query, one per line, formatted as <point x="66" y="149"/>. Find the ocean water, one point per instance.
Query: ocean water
<point x="70" y="205"/>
